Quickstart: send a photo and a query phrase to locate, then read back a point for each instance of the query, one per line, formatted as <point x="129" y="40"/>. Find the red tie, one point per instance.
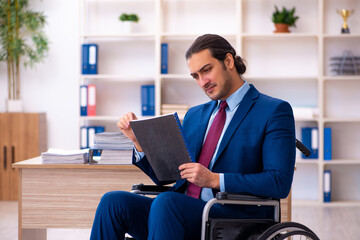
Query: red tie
<point x="209" y="146"/>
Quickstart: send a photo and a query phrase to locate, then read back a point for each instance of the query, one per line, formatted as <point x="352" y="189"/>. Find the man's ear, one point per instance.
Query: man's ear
<point x="229" y="61"/>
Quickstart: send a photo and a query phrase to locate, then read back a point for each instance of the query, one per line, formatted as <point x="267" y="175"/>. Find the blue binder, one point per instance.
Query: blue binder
<point x="83" y="100"/>
<point x="92" y="130"/>
<point x="148" y="100"/>
<point x="87" y="134"/>
<point x="327" y="144"/>
<point x="151" y="92"/>
<point x="327" y="186"/>
<point x="309" y="136"/>
<point x="89" y="58"/>
<point x="164" y="58"/>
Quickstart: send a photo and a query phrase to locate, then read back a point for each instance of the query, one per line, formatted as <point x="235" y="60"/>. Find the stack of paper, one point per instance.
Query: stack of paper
<point x="112" y="141"/>
<point x="115" y="148"/>
<point x="114" y="157"/>
<point x="59" y="156"/>
<point x="180" y="109"/>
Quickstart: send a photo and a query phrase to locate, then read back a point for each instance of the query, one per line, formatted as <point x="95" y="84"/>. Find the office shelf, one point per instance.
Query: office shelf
<point x="293" y="66"/>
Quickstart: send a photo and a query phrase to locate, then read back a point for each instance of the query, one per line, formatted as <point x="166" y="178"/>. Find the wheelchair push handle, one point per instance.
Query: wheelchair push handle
<point x="302" y="148"/>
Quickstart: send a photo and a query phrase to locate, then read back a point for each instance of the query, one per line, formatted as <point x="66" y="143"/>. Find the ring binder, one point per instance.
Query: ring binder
<point x="163" y="142"/>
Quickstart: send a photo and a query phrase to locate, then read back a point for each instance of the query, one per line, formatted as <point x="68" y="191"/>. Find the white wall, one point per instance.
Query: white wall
<point x="52" y="86"/>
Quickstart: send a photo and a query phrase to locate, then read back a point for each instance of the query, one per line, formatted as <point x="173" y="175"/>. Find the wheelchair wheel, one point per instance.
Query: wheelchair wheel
<point x="299" y="234"/>
<point x="279" y="230"/>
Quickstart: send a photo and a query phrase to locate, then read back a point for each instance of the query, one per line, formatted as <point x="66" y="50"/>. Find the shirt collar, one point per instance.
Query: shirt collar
<point x="234" y="99"/>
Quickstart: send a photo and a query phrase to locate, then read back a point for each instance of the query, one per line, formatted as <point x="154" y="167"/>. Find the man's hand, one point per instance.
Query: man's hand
<point x="199" y="175"/>
<point x="125" y="128"/>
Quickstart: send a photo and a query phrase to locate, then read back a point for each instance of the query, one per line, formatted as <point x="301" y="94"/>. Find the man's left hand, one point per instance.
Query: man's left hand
<point x="199" y="175"/>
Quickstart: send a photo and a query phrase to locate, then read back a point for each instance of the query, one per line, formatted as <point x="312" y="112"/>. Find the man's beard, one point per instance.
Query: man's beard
<point x="225" y="89"/>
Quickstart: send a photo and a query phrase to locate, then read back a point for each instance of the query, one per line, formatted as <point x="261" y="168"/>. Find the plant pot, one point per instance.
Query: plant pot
<point x="14" y="105"/>
<point x="127" y="27"/>
<point x="281" y="28"/>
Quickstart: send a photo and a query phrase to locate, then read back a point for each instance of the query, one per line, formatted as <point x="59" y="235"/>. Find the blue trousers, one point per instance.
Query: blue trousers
<point x="170" y="215"/>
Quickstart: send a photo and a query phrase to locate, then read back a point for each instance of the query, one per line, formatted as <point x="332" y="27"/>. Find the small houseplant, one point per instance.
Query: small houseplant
<point x="21" y="41"/>
<point x="284" y="19"/>
<point x="128" y="21"/>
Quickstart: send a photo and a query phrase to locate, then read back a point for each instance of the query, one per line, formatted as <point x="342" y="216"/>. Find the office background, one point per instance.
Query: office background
<point x="294" y="67"/>
<point x="302" y="78"/>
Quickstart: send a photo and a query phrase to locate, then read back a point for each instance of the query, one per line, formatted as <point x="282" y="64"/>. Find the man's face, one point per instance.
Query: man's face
<point x="211" y="75"/>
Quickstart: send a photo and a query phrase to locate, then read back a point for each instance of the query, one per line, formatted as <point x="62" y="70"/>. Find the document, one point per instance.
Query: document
<point x="163" y="143"/>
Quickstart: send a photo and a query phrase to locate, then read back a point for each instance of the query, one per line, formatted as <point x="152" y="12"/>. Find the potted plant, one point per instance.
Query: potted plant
<point x="128" y="21"/>
<point x="21" y="41"/>
<point x="284" y="19"/>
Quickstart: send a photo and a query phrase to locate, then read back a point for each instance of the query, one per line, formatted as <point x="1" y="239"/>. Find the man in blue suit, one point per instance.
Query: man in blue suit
<point x="253" y="154"/>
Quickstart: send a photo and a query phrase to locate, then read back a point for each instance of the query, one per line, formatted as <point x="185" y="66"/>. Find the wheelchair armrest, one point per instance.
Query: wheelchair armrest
<point x="240" y="197"/>
<point x="148" y="189"/>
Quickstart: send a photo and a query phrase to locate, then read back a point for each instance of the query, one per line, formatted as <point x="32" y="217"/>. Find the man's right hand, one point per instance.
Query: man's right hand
<point x="125" y="128"/>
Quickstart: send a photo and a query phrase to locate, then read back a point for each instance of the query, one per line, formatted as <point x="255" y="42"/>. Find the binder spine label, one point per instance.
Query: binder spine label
<point x="327" y="186"/>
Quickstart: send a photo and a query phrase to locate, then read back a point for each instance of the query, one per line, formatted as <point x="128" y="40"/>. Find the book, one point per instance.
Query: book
<point x="83" y="100"/>
<point x="87" y="135"/>
<point x="89" y="58"/>
<point x="148" y="100"/>
<point x="180" y="109"/>
<point x="310" y="139"/>
<point x="92" y="130"/>
<point x="91" y="103"/>
<point x="327" y="144"/>
<point x="84" y="137"/>
<point x="327" y="185"/>
<point x="164" y="58"/>
<point x="305" y="112"/>
<point x="164" y="145"/>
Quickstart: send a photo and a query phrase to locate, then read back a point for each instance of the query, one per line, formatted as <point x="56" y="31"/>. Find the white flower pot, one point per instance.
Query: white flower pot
<point x="14" y="105"/>
<point x="127" y="27"/>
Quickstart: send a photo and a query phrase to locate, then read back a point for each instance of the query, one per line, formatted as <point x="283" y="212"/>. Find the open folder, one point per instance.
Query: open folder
<point x="164" y="144"/>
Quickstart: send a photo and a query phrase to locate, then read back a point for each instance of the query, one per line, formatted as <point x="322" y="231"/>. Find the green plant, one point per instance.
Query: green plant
<point x="285" y="16"/>
<point x="129" y="17"/>
<point x="21" y="40"/>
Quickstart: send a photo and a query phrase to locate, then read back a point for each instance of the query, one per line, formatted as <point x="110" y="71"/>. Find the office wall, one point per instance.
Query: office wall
<point x="52" y="86"/>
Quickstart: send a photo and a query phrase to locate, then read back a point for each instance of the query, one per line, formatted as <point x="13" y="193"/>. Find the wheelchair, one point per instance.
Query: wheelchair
<point x="243" y="229"/>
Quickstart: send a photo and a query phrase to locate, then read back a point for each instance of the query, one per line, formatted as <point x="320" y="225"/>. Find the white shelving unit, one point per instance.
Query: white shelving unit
<point x="294" y="67"/>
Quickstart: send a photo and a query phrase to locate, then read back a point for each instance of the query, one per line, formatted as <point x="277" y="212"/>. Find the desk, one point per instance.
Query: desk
<point x="66" y="195"/>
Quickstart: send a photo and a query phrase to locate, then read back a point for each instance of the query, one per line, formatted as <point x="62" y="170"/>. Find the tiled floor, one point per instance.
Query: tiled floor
<point x="329" y="223"/>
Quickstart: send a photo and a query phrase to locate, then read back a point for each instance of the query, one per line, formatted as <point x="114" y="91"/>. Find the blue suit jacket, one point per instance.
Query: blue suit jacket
<point x="257" y="152"/>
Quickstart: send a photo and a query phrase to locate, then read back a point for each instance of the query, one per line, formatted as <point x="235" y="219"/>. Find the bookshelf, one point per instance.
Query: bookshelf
<point x="294" y="67"/>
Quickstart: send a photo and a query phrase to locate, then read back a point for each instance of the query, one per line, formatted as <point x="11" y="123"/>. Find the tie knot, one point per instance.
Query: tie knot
<point x="223" y="105"/>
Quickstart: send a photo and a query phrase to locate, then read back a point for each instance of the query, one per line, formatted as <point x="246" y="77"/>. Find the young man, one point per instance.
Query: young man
<point x="243" y="142"/>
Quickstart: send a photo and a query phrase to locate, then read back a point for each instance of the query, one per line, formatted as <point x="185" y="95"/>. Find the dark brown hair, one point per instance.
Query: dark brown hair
<point x="218" y="47"/>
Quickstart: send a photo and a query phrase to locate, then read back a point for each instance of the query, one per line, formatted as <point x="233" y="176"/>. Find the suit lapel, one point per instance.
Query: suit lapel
<point x="244" y="107"/>
<point x="204" y="120"/>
